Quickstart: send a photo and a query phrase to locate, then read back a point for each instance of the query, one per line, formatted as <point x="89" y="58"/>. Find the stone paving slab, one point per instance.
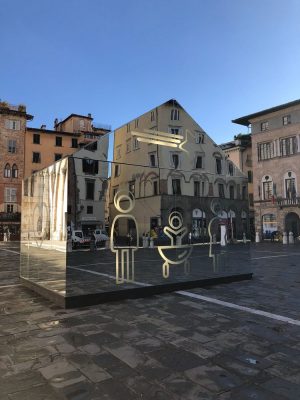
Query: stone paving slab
<point x="162" y="347"/>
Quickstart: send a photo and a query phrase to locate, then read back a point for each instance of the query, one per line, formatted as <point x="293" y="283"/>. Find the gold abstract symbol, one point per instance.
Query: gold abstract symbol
<point x="161" y="138"/>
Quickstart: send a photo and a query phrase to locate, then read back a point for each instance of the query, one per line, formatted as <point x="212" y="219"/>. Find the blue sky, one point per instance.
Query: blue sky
<point x="221" y="59"/>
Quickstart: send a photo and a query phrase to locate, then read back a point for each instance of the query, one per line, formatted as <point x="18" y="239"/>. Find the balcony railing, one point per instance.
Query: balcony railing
<point x="288" y="202"/>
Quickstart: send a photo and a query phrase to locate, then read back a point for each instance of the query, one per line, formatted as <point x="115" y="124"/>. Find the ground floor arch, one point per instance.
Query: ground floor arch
<point x="292" y="223"/>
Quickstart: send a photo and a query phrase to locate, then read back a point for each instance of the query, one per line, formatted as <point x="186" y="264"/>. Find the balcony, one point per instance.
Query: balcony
<point x="288" y="202"/>
<point x="10" y="217"/>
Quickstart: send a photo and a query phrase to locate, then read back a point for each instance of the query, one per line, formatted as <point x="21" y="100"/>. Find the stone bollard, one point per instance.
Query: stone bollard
<point x="244" y="238"/>
<point x="145" y="241"/>
<point x="257" y="238"/>
<point x="223" y="235"/>
<point x="284" y="238"/>
<point x="291" y="238"/>
<point x="151" y="243"/>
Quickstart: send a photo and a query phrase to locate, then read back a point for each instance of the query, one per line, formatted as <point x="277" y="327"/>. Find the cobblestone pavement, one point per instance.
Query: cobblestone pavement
<point x="163" y="347"/>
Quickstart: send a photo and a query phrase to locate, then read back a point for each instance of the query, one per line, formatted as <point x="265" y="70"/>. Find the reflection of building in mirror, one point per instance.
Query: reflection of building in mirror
<point x="169" y="162"/>
<point x="124" y="247"/>
<point x="87" y="186"/>
<point x="44" y="207"/>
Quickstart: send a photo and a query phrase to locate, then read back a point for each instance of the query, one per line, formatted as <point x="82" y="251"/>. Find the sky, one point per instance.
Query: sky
<point x="116" y="59"/>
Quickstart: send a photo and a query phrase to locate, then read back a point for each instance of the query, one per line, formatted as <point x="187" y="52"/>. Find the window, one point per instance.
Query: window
<point x="115" y="191"/>
<point x="264" y="126"/>
<point x="155" y="188"/>
<point x="58" y="141"/>
<point x="12" y="146"/>
<point x="69" y="209"/>
<point x="199" y="162"/>
<point x="265" y="151"/>
<point x="174" y="131"/>
<point x="90" y="189"/>
<point x="131" y="187"/>
<point x="199" y="137"/>
<point x="117" y="170"/>
<point x="128" y="145"/>
<point x="118" y="152"/>
<point x="221" y="190"/>
<point x="251" y="203"/>
<point x="250" y="177"/>
<point x="9" y="208"/>
<point x="175" y="160"/>
<point x="7" y="171"/>
<point x="57" y="157"/>
<point x="89" y="166"/>
<point x="12" y="124"/>
<point x="14" y="171"/>
<point x="267" y="189"/>
<point x="136" y="123"/>
<point x="290" y="188"/>
<point x="74" y="143"/>
<point x="218" y="166"/>
<point x="10" y="195"/>
<point x="175" y="114"/>
<point x="288" y="146"/>
<point x="81" y="123"/>
<point x="89" y="210"/>
<point x="36" y="138"/>
<point x="230" y="169"/>
<point x="128" y="127"/>
<point x="196" y="189"/>
<point x="135" y="144"/>
<point x="152" y="116"/>
<point x="244" y="192"/>
<point x="286" y="120"/>
<point x="231" y="192"/>
<point x="176" y="186"/>
<point x="152" y="160"/>
<point x="36" y="157"/>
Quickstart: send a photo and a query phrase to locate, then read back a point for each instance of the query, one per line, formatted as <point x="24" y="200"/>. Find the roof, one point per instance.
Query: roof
<point x="246" y="119"/>
<point x="40" y="130"/>
<point x="75" y="115"/>
<point x="171" y="102"/>
<point x="6" y="110"/>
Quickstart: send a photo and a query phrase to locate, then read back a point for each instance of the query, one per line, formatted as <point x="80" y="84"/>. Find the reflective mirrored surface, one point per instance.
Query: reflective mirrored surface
<point x="150" y="218"/>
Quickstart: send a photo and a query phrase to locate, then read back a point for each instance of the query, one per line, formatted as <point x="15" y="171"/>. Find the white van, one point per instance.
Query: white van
<point x="100" y="235"/>
<point x="78" y="239"/>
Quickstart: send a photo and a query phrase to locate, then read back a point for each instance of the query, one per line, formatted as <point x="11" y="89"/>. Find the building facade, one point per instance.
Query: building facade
<point x="25" y="150"/>
<point x="13" y="121"/>
<point x="276" y="167"/>
<point x="43" y="146"/>
<point x="170" y="164"/>
<point x="239" y="151"/>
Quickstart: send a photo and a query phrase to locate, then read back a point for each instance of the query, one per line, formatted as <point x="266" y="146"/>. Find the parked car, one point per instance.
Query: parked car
<point x="78" y="239"/>
<point x="100" y="235"/>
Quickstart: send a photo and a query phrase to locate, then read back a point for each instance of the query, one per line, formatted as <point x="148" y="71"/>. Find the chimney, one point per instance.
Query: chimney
<point x="89" y="115"/>
<point x="43" y="126"/>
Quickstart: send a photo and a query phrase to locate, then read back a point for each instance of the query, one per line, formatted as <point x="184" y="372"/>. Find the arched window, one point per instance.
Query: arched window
<point x="14" y="171"/>
<point x="290" y="185"/>
<point x="7" y="171"/>
<point x="230" y="169"/>
<point x="267" y="187"/>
